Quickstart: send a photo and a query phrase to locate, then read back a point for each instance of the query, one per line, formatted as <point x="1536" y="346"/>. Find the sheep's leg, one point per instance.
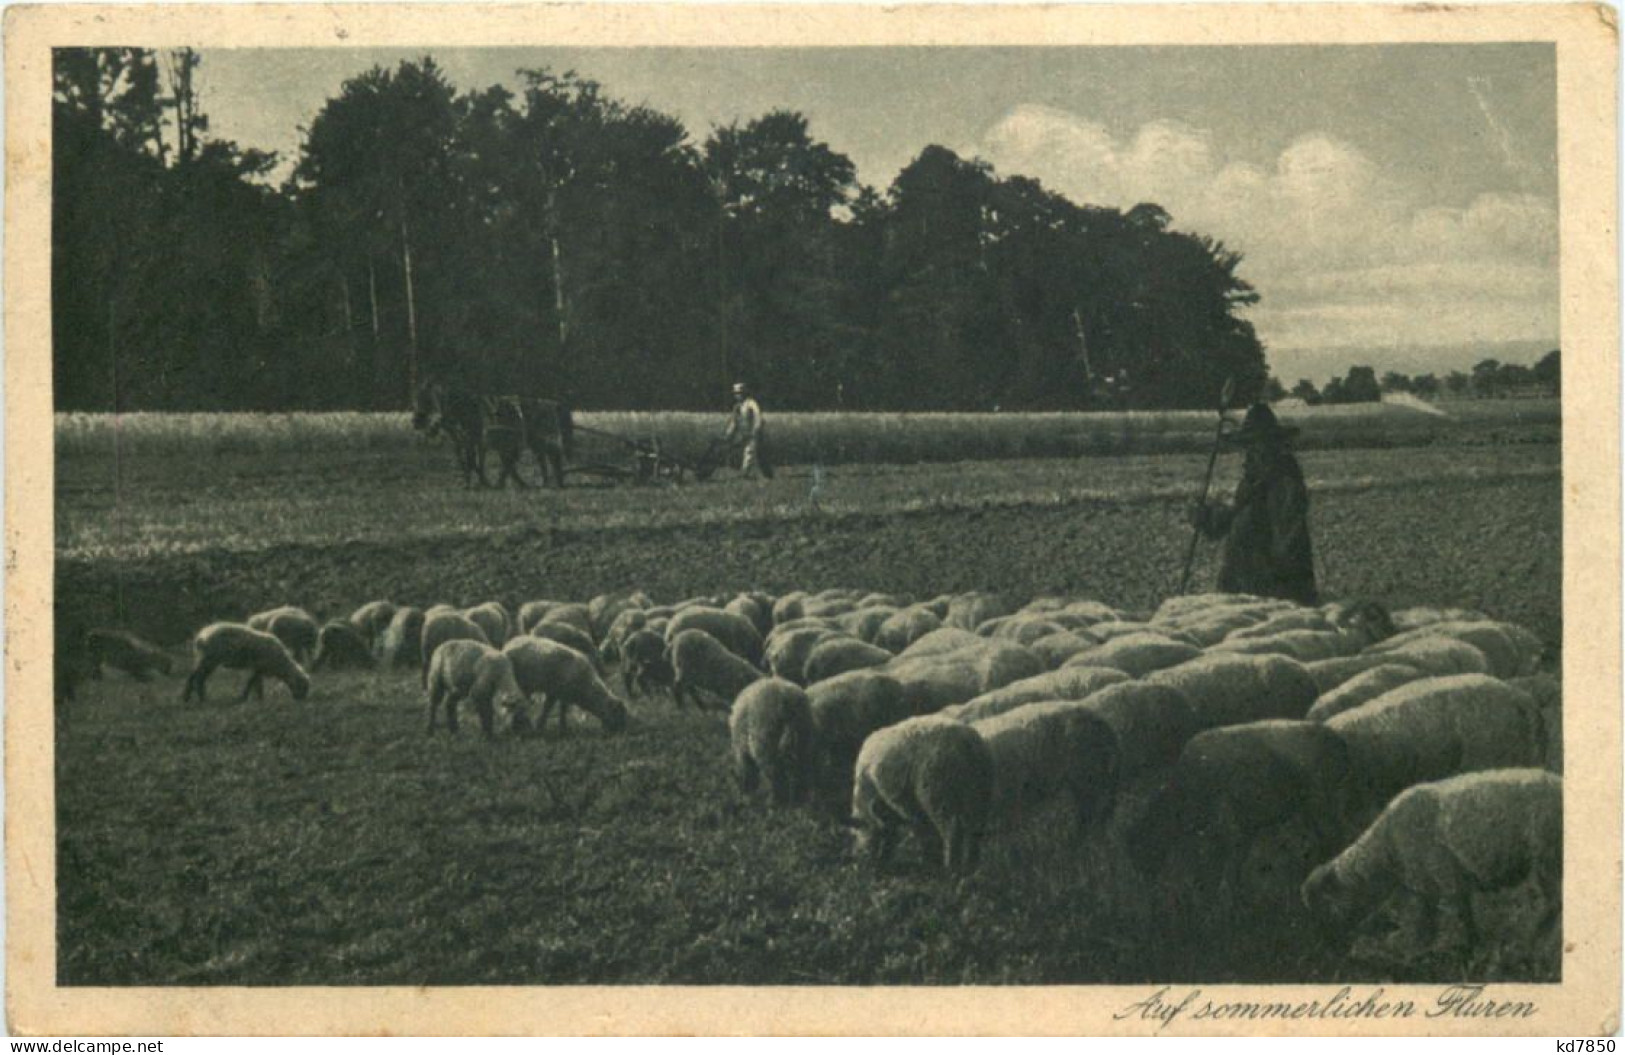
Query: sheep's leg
<point x="1420" y="917"/>
<point x="564" y="715"/>
<point x="746" y="772"/>
<point x="485" y="708"/>
<point x="249" y="686"/>
<point x="548" y="703"/>
<point x="434" y="704"/>
<point x="453" y="701"/>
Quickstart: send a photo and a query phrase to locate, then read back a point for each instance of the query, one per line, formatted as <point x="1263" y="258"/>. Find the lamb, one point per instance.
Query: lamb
<point x="1136" y="654"/>
<point x="1437" y="657"/>
<point x="1074" y="683"/>
<point x="492" y="618"/>
<point x="446" y="625"/>
<point x="837" y="655"/>
<point x="1233" y="783"/>
<point x="849" y="707"/>
<point x="402" y="642"/>
<point x="372" y="620"/>
<point x="703" y="665"/>
<point x="239" y="647"/>
<point x="292" y="626"/>
<point x="932" y="774"/>
<point x="645" y="666"/>
<point x="1509" y="649"/>
<point x="931" y="683"/>
<point x="1438" y="727"/>
<point x="1056" y="649"/>
<point x="124" y="651"/>
<point x="787" y="653"/>
<point x="460" y="670"/>
<point x="970" y="610"/>
<point x="771" y="730"/>
<point x="1152" y="723"/>
<point x="735" y="632"/>
<point x="1232" y="689"/>
<point x="1438" y="844"/>
<point x="1362" y="689"/>
<point x="1046" y="749"/>
<point x="906" y="626"/>
<point x="341" y="646"/>
<point x="566" y="678"/>
<point x="566" y="634"/>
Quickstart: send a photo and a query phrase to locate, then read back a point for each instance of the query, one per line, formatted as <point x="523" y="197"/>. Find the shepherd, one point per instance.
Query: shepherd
<point x="1266" y="528"/>
<point x="745" y="430"/>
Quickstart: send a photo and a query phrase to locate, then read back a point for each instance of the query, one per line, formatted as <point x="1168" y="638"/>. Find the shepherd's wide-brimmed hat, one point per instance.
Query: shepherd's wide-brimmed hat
<point x="1260" y="426"/>
<point x="739" y="388"/>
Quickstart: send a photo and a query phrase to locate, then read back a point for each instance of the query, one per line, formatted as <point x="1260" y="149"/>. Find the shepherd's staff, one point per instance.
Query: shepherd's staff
<point x="1207" y="481"/>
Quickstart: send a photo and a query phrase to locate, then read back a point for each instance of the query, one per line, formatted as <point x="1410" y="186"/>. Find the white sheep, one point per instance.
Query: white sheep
<point x="748" y="608"/>
<point x="1547" y="693"/>
<point x="1135" y="654"/>
<point x="492" y="618"/>
<point x="848" y="708"/>
<point x="442" y="624"/>
<point x="904" y="627"/>
<point x="1510" y="650"/>
<point x="1047" y="749"/>
<point x="1189" y="606"/>
<point x="1411" y="618"/>
<point x="931" y="683"/>
<point x="1438" y="844"/>
<point x="787" y="652"/>
<point x="788" y="607"/>
<point x="1233" y="784"/>
<point x="460" y="670"/>
<point x="372" y="619"/>
<point x="125" y="651"/>
<point x="837" y="655"/>
<point x="575" y="615"/>
<point x="704" y="667"/>
<point x="967" y="611"/>
<point x="531" y="612"/>
<point x="565" y="634"/>
<point x="1073" y="683"/>
<point x="771" y="730"/>
<point x="1362" y="689"/>
<point x="735" y="632"/>
<point x="1363" y="625"/>
<point x="566" y="679"/>
<point x="1437" y="657"/>
<point x="291" y="625"/>
<point x="941" y="642"/>
<point x="603" y="609"/>
<point x="1438" y="727"/>
<point x="931" y="774"/>
<point x="626" y="623"/>
<point x="1152" y="723"/>
<point x="239" y="647"/>
<point x="1022" y="629"/>
<point x="1056" y="649"/>
<point x="865" y="623"/>
<point x="401" y="644"/>
<point x="883" y="600"/>
<point x="341" y="646"/>
<point x="1229" y="689"/>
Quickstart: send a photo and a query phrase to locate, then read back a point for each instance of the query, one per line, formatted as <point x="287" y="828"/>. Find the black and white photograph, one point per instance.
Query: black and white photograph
<point x="854" y="503"/>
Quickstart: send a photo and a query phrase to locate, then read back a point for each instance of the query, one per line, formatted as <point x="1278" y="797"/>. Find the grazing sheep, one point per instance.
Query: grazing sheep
<point x="827" y="607"/>
<point x="752" y="611"/>
<point x="292" y="626"/>
<point x="1135" y="654"/>
<point x="931" y="683"/>
<point x="402" y="642"/>
<point x="1111" y="631"/>
<point x="372" y="619"/>
<point x="938" y="605"/>
<point x="605" y="608"/>
<point x="837" y="655"/>
<point x="565" y="678"/>
<point x="1056" y="649"/>
<point x="1438" y="844"/>
<point x="1438" y="727"/>
<point x="1022" y="629"/>
<point x="1411" y="618"/>
<point x="644" y="665"/>
<point x="1283" y="621"/>
<point x="1362" y="626"/>
<point x="1234" y="783"/>
<point x="940" y="642"/>
<point x="1547" y="692"/>
<point x="1086" y="613"/>
<point x="1152" y="722"/>
<point x="787" y="653"/>
<point x="906" y="626"/>
<point x="1228" y="689"/>
<point x="531" y="612"/>
<point x="1046" y="749"/>
<point x="1209" y="628"/>
<point x="442" y="625"/>
<point x="734" y="631"/>
<point x="967" y="611"/>
<point x="575" y="615"/>
<point x="239" y="647"/>
<point x="771" y="729"/>
<point x="124" y="651"/>
<point x="788" y="607"/>
<point x="1189" y="606"/>
<point x="460" y="670"/>
<point x="1362" y="689"/>
<point x="932" y="774"/>
<point x="883" y="600"/>
<point x="341" y="646"/>
<point x="566" y="634"/>
<point x="849" y="707"/>
<point x="703" y="666"/>
<point x="1509" y="649"/>
<point x="628" y="622"/>
<point x="865" y="623"/>
<point x="1074" y="683"/>
<point x="1436" y="657"/>
<point x="492" y="618"/>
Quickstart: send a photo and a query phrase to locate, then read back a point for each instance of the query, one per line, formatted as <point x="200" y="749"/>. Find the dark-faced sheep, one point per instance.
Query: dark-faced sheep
<point x="372" y="619"/>
<point x="704" y="667"/>
<point x="566" y="679"/>
<point x="645" y="666"/>
<point x="238" y="647"/>
<point x="461" y="670"/>
<point x="445" y="624"/>
<point x="340" y="646"/>
<point x="771" y="731"/>
<point x="1438" y="844"/>
<point x="125" y="651"/>
<point x="933" y="775"/>
<point x="402" y="641"/>
<point x="292" y="626"/>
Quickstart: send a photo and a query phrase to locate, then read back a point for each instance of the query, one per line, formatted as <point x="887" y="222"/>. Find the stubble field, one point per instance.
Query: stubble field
<point x="332" y="842"/>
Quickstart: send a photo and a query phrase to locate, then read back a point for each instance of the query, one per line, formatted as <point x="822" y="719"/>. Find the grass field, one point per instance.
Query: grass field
<point x="330" y="842"/>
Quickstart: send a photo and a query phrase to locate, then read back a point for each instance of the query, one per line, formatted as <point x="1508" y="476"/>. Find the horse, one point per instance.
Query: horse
<point x="459" y="414"/>
<point x="505" y="424"/>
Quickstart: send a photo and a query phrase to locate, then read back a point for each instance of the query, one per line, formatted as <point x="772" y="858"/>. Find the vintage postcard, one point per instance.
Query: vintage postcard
<point x="671" y="519"/>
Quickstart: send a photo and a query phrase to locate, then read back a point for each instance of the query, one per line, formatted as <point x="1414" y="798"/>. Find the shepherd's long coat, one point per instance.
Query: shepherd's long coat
<point x="1266" y="530"/>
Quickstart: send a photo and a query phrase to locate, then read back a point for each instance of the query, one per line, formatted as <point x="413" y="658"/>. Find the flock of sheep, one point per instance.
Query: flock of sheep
<point x="1418" y="749"/>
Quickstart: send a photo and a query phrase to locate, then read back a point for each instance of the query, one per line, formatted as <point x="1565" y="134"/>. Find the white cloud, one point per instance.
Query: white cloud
<point x="1343" y="251"/>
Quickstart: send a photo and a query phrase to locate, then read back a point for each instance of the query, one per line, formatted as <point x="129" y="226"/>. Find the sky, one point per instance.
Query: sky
<point x="1394" y="204"/>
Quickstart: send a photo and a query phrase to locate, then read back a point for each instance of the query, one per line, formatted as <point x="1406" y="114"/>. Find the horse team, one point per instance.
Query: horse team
<point x="504" y="424"/>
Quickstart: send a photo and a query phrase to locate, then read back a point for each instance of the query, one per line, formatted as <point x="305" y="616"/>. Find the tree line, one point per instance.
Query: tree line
<point x="556" y="241"/>
<point x="1490" y="379"/>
